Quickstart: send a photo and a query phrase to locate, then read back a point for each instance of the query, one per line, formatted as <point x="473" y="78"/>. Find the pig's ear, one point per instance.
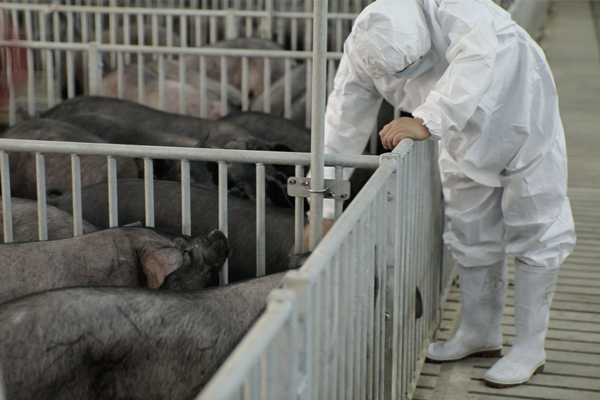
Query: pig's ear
<point x="158" y="263"/>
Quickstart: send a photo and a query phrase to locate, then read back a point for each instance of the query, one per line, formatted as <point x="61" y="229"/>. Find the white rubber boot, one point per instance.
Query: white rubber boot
<point x="534" y="290"/>
<point x="482" y="291"/>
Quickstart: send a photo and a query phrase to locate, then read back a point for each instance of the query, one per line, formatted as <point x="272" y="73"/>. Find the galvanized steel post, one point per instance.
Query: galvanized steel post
<point x="95" y="69"/>
<point x="318" y="123"/>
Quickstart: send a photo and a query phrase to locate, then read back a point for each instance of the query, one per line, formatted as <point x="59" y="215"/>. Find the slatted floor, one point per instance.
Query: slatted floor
<point x="573" y="342"/>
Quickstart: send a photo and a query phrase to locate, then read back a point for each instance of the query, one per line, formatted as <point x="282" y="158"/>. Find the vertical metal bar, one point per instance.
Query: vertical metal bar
<point x="361" y="327"/>
<point x="182" y="83"/>
<point x="299" y="216"/>
<point x="248" y="24"/>
<point x="12" y="112"/>
<point x="198" y="32"/>
<point x="339" y="203"/>
<point x="223" y="217"/>
<point x="120" y="76"/>
<point x="369" y="309"/>
<point x="140" y="60"/>
<point x="183" y="32"/>
<point x="231" y="28"/>
<point x="404" y="198"/>
<point x="47" y="61"/>
<point x="161" y="83"/>
<point x="40" y="178"/>
<point x="203" y="84"/>
<point x="308" y="31"/>
<point x="6" y="197"/>
<point x="318" y="123"/>
<point x="298" y="281"/>
<point x="294" y="29"/>
<point x="60" y="74"/>
<point x="112" y="31"/>
<point x="267" y="85"/>
<point x="224" y="84"/>
<point x="154" y="22"/>
<point x="95" y="69"/>
<point x="30" y="70"/>
<point x="260" y="220"/>
<point x="350" y="312"/>
<point x="169" y="29"/>
<point x="341" y="295"/>
<point x="245" y="85"/>
<point x="212" y="22"/>
<point x="266" y="24"/>
<point x="113" y="206"/>
<point x="322" y="352"/>
<point x="382" y="285"/>
<point x="287" y="97"/>
<point x="186" y="213"/>
<point x="332" y="321"/>
<point x="149" y="191"/>
<point x="76" y="190"/>
<point x="126" y="38"/>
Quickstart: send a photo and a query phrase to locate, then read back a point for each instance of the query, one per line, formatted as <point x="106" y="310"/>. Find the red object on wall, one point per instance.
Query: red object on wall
<point x="13" y="61"/>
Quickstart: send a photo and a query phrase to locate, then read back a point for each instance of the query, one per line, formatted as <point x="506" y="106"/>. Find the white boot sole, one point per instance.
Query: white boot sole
<point x="501" y="385"/>
<point x="480" y="353"/>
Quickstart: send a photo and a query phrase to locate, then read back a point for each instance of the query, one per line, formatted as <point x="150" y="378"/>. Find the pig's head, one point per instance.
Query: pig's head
<point x="184" y="263"/>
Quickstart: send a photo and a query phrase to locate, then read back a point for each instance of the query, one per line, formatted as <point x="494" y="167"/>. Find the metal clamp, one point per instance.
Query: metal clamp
<point x="334" y="189"/>
<point x="317" y="190"/>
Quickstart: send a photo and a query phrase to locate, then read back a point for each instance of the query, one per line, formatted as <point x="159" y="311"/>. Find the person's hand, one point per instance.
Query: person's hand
<point x="327" y="224"/>
<point x="401" y="128"/>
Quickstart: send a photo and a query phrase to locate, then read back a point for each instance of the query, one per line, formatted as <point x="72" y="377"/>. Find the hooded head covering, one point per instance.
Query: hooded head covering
<point x="388" y="36"/>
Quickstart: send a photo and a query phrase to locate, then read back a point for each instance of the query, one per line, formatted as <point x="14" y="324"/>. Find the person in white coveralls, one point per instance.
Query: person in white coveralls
<point x="480" y="85"/>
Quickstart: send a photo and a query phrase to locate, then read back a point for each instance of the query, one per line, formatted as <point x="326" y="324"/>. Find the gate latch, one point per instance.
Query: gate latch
<point x="334" y="189"/>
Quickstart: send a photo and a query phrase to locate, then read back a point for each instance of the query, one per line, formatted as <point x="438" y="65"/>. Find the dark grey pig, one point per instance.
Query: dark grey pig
<point x="25" y="222"/>
<point x="211" y="133"/>
<point x="121" y="131"/>
<point x="273" y="128"/>
<point x="241" y="177"/>
<point x="124" y="343"/>
<point x="58" y="166"/>
<point x="279" y="229"/>
<point x="127" y="256"/>
<point x="215" y="134"/>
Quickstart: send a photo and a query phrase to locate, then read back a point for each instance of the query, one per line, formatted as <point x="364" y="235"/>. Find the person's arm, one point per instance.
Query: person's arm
<point x="469" y="27"/>
<point x="351" y="112"/>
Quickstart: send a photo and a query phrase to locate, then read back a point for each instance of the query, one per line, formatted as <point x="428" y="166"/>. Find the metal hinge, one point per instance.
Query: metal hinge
<point x="334" y="189"/>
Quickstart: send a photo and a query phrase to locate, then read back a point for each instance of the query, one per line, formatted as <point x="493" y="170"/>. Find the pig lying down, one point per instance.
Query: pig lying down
<point x="124" y="343"/>
<point x="127" y="256"/>
<point x="25" y="222"/>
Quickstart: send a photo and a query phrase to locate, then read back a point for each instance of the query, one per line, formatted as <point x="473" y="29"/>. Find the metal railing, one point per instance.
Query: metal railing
<point x="343" y="326"/>
<point x="149" y="153"/>
<point x="61" y="62"/>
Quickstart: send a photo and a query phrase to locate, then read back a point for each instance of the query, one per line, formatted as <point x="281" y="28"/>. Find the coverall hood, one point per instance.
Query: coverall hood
<point x="386" y="40"/>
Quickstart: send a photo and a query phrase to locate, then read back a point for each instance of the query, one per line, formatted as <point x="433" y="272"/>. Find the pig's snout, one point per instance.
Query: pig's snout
<point x="219" y="243"/>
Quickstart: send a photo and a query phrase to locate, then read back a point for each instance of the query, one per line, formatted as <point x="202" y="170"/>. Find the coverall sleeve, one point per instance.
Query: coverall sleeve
<point x="351" y="112"/>
<point x="469" y="29"/>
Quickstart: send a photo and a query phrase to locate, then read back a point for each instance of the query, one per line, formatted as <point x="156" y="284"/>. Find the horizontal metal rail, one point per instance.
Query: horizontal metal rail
<point x="147" y="49"/>
<point x="184" y="153"/>
<point x="188" y="12"/>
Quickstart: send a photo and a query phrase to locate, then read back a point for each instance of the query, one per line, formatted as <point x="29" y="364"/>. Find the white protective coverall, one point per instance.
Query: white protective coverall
<point x="483" y="88"/>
